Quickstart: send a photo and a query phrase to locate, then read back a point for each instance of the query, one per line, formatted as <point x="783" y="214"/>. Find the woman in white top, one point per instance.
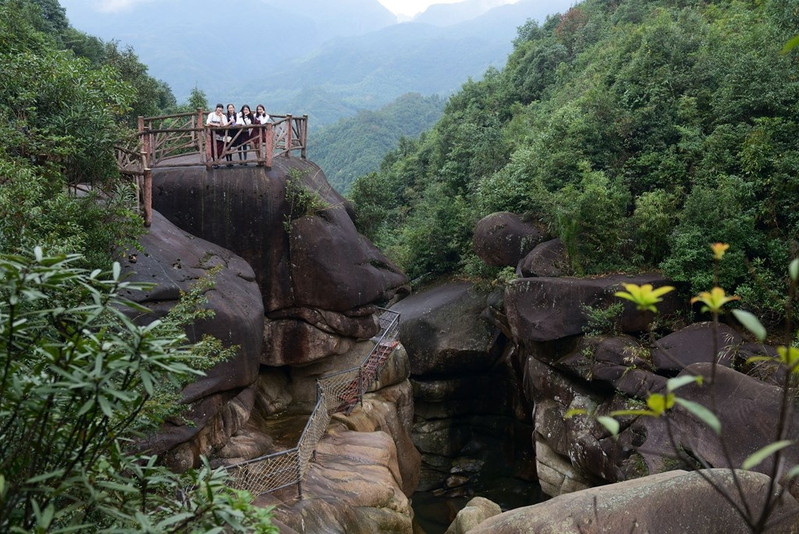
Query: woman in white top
<point x="260" y="117"/>
<point x="231" y="120"/>
<point x="217" y="118"/>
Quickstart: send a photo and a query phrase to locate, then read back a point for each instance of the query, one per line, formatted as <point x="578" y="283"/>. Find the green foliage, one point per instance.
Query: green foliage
<point x="638" y="131"/>
<point x="602" y="321"/>
<point x="355" y="146"/>
<point x="64" y="100"/>
<point x="77" y="383"/>
<point x="588" y="217"/>
<point x="302" y="202"/>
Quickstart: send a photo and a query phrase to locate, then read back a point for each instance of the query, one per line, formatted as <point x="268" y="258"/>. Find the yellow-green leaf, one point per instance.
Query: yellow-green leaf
<point x="751" y="323"/>
<point x="680" y="381"/>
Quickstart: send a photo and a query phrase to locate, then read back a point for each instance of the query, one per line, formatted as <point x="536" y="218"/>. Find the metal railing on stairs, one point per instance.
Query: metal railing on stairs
<point x="335" y="392"/>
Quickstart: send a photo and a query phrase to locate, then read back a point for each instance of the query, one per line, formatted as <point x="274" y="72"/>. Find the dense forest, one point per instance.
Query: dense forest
<point x="355" y="146"/>
<point x="637" y="131"/>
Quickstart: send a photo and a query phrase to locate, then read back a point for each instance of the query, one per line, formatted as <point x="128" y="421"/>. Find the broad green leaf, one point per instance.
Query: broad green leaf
<point x="793" y="270"/>
<point x="610" y="424"/>
<point x="680" y="381"/>
<point x="701" y="413"/>
<point x="757" y="457"/>
<point x="751" y="323"/>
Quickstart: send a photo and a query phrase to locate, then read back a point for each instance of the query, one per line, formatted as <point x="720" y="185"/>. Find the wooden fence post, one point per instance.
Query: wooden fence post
<point x="304" y="137"/>
<point x="269" y="144"/>
<point x="147" y="190"/>
<point x="289" y="133"/>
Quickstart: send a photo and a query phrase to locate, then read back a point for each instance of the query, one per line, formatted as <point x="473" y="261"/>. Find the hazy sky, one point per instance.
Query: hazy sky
<point x="409" y="8"/>
<point x="402" y="8"/>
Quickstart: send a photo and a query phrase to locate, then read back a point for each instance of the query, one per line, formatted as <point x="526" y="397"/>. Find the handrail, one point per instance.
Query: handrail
<point x="336" y="392"/>
<point x="184" y="140"/>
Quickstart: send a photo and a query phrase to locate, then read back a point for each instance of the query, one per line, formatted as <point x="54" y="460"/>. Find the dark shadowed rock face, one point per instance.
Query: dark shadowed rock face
<point x="313" y="260"/>
<point x="546" y="259"/>
<point x="502" y="239"/>
<point x="443" y="332"/>
<point x="174" y="261"/>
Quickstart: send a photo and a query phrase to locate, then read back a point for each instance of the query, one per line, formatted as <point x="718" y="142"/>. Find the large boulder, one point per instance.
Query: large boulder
<point x="502" y="239"/>
<point x="696" y="343"/>
<point x="444" y="333"/>
<point x="748" y="411"/>
<point x="353" y="487"/>
<point x="547" y="309"/>
<point x="174" y="260"/>
<point x="308" y="256"/>
<point x="667" y="503"/>
<point x="546" y="259"/>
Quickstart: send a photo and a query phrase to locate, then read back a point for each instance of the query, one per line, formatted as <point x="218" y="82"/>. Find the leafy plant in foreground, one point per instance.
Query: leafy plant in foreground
<point x="76" y="375"/>
<point x="661" y="404"/>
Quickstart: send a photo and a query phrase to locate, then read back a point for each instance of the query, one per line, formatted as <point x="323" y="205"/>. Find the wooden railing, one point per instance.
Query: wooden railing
<point x="183" y="140"/>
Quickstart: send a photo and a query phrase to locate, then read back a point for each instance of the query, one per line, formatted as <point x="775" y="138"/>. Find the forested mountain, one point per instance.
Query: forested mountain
<point x="355" y="146"/>
<point x="637" y="131"/>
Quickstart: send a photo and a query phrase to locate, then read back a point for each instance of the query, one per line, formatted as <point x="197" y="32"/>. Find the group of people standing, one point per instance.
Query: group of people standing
<point x="239" y="138"/>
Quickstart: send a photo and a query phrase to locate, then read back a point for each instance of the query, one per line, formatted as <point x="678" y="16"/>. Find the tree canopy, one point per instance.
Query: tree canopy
<point x="637" y="131"/>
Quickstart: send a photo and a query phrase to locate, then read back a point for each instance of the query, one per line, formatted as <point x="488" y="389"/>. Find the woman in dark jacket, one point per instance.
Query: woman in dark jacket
<point x="244" y="118"/>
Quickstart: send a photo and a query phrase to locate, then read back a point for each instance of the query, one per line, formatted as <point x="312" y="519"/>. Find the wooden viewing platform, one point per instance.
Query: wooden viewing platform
<point x="183" y="140"/>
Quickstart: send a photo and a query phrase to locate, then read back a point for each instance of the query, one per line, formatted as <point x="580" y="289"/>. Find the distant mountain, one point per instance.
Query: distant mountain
<point x="369" y="71"/>
<point x="356" y="145"/>
<point x="449" y="14"/>
<point x="326" y="59"/>
<point x="214" y="45"/>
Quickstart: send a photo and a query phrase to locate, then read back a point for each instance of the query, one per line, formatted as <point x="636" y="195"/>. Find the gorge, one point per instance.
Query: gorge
<point x="481" y="386"/>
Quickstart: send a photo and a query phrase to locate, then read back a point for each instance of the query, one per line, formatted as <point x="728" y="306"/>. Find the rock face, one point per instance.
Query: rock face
<point x="296" y="293"/>
<point x="502" y="239"/>
<point x="174" y="261"/>
<point x="304" y="255"/>
<point x="548" y="309"/>
<point x="667" y="503"/>
<point x="571" y="352"/>
<point x="461" y="384"/>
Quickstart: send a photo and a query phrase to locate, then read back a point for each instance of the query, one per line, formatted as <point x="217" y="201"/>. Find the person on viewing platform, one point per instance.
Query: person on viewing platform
<point x="231" y="119"/>
<point x="244" y="118"/>
<point x="217" y="118"/>
<point x="260" y="117"/>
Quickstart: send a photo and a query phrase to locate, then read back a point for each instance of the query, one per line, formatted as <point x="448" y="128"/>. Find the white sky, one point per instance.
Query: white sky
<point x="409" y="8"/>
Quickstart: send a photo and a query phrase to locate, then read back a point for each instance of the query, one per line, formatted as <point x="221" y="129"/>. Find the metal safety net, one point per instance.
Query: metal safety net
<point x="336" y="392"/>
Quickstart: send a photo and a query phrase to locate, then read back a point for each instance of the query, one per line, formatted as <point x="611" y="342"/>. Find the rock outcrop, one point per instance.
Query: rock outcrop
<point x="296" y="293"/>
<point x="502" y="239"/>
<point x="174" y="261"/>
<point x="667" y="503"/>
